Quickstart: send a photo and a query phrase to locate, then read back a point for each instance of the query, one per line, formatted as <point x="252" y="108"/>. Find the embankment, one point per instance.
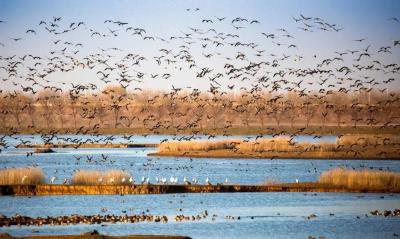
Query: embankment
<point x="274" y="155"/>
<point x="94" y="236"/>
<point x="50" y="189"/>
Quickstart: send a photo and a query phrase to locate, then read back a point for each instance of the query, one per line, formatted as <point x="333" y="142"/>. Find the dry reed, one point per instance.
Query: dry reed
<point x="19" y="176"/>
<point x="362" y="180"/>
<point x="347" y="146"/>
<point x="277" y="144"/>
<point x="92" y="177"/>
<point x="368" y="140"/>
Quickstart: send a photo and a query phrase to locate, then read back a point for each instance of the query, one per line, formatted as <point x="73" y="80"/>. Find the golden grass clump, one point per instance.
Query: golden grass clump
<point x="365" y="179"/>
<point x="93" y="177"/>
<point x="368" y="140"/>
<point x="20" y="176"/>
<point x="277" y="144"/>
<point x="182" y="146"/>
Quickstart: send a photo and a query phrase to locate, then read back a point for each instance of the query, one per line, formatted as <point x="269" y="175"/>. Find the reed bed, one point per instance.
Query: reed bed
<point x="277" y="144"/>
<point x="361" y="180"/>
<point x="364" y="140"/>
<point x="347" y="146"/>
<point x="93" y="177"/>
<point x="204" y="145"/>
<point x="21" y="176"/>
<point x="282" y="144"/>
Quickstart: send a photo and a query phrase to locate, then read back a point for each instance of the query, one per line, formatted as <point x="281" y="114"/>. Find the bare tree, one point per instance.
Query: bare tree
<point x="355" y="111"/>
<point x="59" y="107"/>
<point x="292" y="107"/>
<point x="101" y="111"/>
<point x="31" y="110"/>
<point x="116" y="96"/>
<point x="74" y="105"/>
<point x="277" y="111"/>
<point x="16" y="106"/>
<point x="308" y="111"/>
<point x="4" y="110"/>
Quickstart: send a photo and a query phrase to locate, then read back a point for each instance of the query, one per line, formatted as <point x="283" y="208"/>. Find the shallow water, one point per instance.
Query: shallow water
<point x="142" y="139"/>
<point x="276" y="215"/>
<point x="63" y="163"/>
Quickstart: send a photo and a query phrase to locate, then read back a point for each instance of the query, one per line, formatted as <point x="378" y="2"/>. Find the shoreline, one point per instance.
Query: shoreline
<point x="91" y="235"/>
<point x="223" y="153"/>
<point x="53" y="189"/>
<point x="271" y="156"/>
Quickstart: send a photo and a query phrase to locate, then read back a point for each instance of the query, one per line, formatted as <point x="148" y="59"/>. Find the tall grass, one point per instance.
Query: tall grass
<point x="371" y="146"/>
<point x="368" y="140"/>
<point x="92" y="177"/>
<point x="365" y="179"/>
<point x="278" y="144"/>
<point x="19" y="176"/>
<point x="181" y="146"/>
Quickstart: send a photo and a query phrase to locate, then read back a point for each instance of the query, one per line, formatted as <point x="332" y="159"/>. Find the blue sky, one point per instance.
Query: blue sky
<point x="360" y="19"/>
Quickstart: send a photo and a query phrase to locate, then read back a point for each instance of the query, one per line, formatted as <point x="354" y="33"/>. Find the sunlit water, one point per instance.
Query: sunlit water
<point x="275" y="215"/>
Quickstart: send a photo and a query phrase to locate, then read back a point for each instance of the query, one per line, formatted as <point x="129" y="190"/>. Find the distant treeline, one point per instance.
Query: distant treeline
<point x="180" y="110"/>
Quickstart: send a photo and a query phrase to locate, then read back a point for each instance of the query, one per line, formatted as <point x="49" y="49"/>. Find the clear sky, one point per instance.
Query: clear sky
<point x="359" y="19"/>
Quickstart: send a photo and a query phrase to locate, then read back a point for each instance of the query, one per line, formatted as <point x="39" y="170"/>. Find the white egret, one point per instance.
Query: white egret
<point x="208" y="181"/>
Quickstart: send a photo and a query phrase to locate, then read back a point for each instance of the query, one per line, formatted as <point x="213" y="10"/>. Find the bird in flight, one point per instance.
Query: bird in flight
<point x="31" y="31"/>
<point x="16" y="39"/>
<point x="360" y="40"/>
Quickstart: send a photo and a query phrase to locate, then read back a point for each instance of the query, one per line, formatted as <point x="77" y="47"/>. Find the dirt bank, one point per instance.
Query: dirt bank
<point x="45" y="189"/>
<point x="272" y="155"/>
<point x="96" y="236"/>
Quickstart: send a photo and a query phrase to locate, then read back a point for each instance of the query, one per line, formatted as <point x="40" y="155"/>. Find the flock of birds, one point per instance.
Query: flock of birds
<point x="248" y="66"/>
<point x="347" y="70"/>
<point x="144" y="180"/>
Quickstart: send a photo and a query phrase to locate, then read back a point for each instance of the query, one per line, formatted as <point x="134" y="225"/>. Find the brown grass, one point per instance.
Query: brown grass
<point x="369" y="140"/>
<point x="181" y="146"/>
<point x="92" y="177"/>
<point x="348" y="146"/>
<point x="277" y="144"/>
<point x="18" y="176"/>
<point x="362" y="180"/>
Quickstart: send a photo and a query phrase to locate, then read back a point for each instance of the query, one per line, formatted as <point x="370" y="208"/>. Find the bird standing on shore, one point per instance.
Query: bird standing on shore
<point x="208" y="181"/>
